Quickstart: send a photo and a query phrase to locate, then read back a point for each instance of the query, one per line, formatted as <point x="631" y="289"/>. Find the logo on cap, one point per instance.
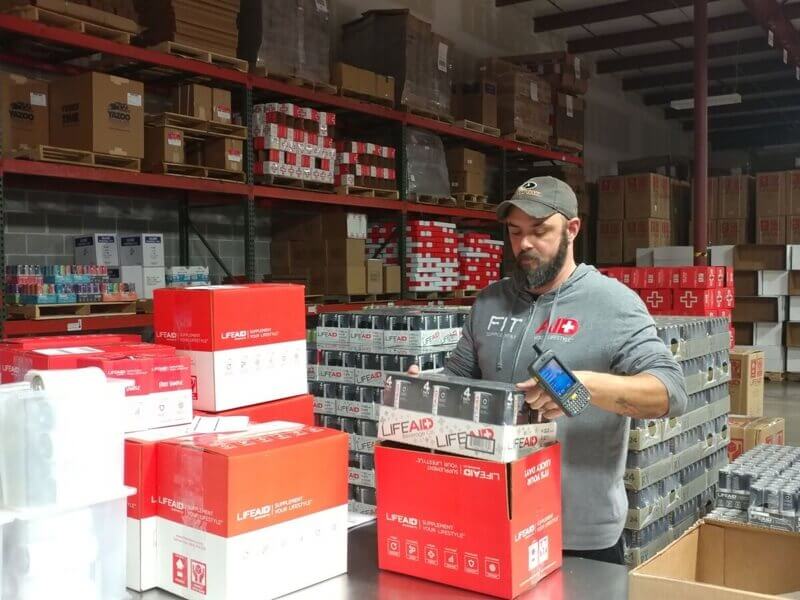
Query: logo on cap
<point x="529" y="188"/>
<point x="529" y="185"/>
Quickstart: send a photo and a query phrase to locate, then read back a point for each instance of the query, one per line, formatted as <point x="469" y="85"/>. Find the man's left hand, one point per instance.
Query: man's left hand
<point x="538" y="399"/>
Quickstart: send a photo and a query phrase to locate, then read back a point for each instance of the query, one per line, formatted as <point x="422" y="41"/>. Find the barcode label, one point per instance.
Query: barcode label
<point x="577" y="68"/>
<point x="480" y="444"/>
<point x="570" y="107"/>
<point x="442" y="57"/>
<point x="534" y="91"/>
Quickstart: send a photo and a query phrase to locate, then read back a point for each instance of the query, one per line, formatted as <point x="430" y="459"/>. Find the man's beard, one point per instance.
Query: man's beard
<point x="537" y="274"/>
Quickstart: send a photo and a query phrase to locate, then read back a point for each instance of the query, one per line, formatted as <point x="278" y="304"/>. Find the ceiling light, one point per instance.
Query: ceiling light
<point x="721" y="100"/>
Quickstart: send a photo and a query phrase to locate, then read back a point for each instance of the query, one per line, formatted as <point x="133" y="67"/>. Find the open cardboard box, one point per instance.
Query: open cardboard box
<point x="715" y="560"/>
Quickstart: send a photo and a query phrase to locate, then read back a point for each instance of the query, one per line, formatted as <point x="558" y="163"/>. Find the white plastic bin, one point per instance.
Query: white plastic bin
<point x="62" y="446"/>
<point x="66" y="553"/>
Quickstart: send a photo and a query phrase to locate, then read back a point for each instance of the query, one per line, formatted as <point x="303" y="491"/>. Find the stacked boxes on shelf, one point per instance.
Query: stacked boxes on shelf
<point x="475" y="99"/>
<point x="736" y="194"/>
<point x="287" y="41"/>
<point x="524" y="104"/>
<point x="186" y="276"/>
<point x="479" y="260"/>
<point x="365" y="165"/>
<point x="62" y="284"/>
<point x="696" y="291"/>
<point x="363" y="84"/>
<point x="141" y="263"/>
<point x="778" y="207"/>
<point x="633" y="212"/>
<point x="397" y="44"/>
<point x="293" y="142"/>
<point x="347" y="370"/>
<point x="24" y="116"/>
<point x="62" y="500"/>
<point x="431" y="256"/>
<point x="382" y="245"/>
<point x="673" y="464"/>
<point x="467" y="170"/>
<point x="762" y="286"/>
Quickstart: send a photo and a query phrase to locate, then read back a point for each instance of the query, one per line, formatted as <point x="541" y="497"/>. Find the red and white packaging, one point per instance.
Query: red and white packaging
<point x="297" y="409"/>
<point x="656" y="278"/>
<point x="694" y="302"/>
<point x="698" y="277"/>
<point x="501" y="542"/>
<point x="257" y="512"/>
<point x="633" y="277"/>
<point x="247" y="343"/>
<point x="658" y="302"/>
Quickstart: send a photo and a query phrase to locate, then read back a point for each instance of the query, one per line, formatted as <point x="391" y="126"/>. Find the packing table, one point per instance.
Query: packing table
<point x="576" y="580"/>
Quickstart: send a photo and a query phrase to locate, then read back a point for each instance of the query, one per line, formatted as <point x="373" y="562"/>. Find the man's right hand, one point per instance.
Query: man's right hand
<point x="413" y="370"/>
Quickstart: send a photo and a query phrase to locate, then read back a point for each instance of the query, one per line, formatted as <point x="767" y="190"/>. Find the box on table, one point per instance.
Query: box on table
<point x="609" y="242"/>
<point x="194" y="100"/>
<point x="163" y="145"/>
<point x="771" y="230"/>
<point x="515" y="542"/>
<point x="297" y="409"/>
<point x="391" y="279"/>
<point x="247" y="343"/>
<point x="264" y="509"/>
<point x="223" y="153"/>
<point x="748" y="432"/>
<point x="747" y="381"/>
<point x="98" y="113"/>
<point x="647" y="197"/>
<point x="145" y="250"/>
<point x="96" y="249"/>
<point x="720" y="559"/>
<point x="221" y="105"/>
<point x="24" y="118"/>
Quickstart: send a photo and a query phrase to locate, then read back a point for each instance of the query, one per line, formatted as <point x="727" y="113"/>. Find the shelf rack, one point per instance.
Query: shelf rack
<point x="33" y="45"/>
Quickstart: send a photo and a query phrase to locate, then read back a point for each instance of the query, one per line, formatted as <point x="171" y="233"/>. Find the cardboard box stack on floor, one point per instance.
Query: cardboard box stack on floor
<point x="761" y="279"/>
<point x="673" y="464"/>
<point x="287" y="39"/>
<point x="293" y="142"/>
<point x="355" y="353"/>
<point x="210" y="27"/>
<point x="396" y="43"/>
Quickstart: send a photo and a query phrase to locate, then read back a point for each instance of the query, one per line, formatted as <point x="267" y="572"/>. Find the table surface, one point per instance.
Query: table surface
<point x="578" y="579"/>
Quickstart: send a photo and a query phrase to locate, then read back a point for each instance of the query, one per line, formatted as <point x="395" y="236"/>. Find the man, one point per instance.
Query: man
<point x="600" y="329"/>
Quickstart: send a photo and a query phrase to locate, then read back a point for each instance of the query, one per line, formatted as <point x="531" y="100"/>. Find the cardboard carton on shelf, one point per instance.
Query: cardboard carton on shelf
<point x="476" y="101"/>
<point x="610" y="242"/>
<point x="223" y="153"/>
<point x="221" y="111"/>
<point x="736" y="194"/>
<point x="771" y="194"/>
<point x="732" y="231"/>
<point x="98" y="113"/>
<point x="747" y="381"/>
<point x="374" y="271"/>
<point x="611" y="201"/>
<point x="163" y="145"/>
<point x="353" y="79"/>
<point x="771" y="230"/>
<point x="647" y="197"/>
<point x="23" y="113"/>
<point x="194" y="100"/>
<point x="568" y="121"/>
<point x="391" y="279"/>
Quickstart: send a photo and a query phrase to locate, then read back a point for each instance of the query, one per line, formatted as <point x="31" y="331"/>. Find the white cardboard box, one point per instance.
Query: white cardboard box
<point x="793" y="360"/>
<point x="144" y="250"/>
<point x="722" y="256"/>
<point x="96" y="249"/>
<point x="644" y="257"/>
<point x="794" y="308"/>
<point x="793" y="258"/>
<point x="767" y="334"/>
<point x="673" y="256"/>
<point x="773" y="283"/>
<point x="144" y="279"/>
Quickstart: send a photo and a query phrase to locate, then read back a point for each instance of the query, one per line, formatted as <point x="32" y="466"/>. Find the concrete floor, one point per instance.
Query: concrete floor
<point x="783" y="400"/>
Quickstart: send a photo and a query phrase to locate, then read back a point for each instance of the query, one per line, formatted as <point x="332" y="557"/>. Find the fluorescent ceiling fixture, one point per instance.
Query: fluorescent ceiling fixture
<point x="721" y="100"/>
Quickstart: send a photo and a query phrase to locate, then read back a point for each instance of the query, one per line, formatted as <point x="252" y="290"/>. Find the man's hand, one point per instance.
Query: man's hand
<point x="538" y="399"/>
<point x="413" y="370"/>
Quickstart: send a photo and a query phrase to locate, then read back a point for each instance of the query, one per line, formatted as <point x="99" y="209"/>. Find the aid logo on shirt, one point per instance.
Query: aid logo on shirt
<point x="561" y="326"/>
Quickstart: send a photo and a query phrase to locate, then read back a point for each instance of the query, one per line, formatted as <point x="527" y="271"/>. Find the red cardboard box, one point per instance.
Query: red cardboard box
<point x="501" y="542"/>
<point x="694" y="302"/>
<point x="298" y="409"/>
<point x="633" y="277"/>
<point x="698" y="277"/>
<point x="261" y="512"/>
<point x="658" y="302"/>
<point x="246" y="342"/>
<point x="657" y="278"/>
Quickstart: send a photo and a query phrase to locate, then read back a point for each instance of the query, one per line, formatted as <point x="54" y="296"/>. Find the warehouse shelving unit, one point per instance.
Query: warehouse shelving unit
<point x="53" y="50"/>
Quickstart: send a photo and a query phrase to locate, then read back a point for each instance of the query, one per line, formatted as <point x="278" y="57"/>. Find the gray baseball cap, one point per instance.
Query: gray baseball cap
<point x="541" y="197"/>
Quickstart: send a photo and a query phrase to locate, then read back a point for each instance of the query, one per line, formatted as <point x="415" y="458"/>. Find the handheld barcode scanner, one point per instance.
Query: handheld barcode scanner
<point x="565" y="389"/>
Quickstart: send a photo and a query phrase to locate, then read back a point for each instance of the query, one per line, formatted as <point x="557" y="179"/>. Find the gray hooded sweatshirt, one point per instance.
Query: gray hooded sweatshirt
<point x="592" y="323"/>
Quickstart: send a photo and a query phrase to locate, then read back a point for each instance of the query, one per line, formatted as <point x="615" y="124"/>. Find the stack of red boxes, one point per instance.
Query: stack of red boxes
<point x="294" y="142"/>
<point x="364" y="164"/>
<point x="431" y="256"/>
<point x="695" y="291"/>
<point x="479" y="258"/>
<point x="382" y="243"/>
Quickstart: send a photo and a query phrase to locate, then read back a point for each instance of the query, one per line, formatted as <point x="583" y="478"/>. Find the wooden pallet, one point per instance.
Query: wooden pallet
<point x="467" y="293"/>
<point x="462" y="199"/>
<point x="774" y="376"/>
<point x="317" y="86"/>
<point x="434" y="200"/>
<point x="192" y="126"/>
<point x="42" y="312"/>
<point x="424" y="112"/>
<point x="478" y="127"/>
<point x="526" y="139"/>
<point x="430" y="295"/>
<point x="144" y="307"/>
<point x="354" y="190"/>
<point x="288" y="182"/>
<point x="198" y="171"/>
<point x="54" y="19"/>
<point x="389" y="102"/>
<point x="487" y="206"/>
<point x="70" y="156"/>
<point x="358" y="298"/>
<point x="225" y="175"/>
<point x="206" y="56"/>
<point x="567" y="146"/>
<point x="794" y="377"/>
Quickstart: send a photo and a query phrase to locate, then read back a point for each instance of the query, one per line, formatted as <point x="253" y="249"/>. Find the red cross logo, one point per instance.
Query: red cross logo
<point x="655" y="299"/>
<point x="688" y="299"/>
<point x="568" y="326"/>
